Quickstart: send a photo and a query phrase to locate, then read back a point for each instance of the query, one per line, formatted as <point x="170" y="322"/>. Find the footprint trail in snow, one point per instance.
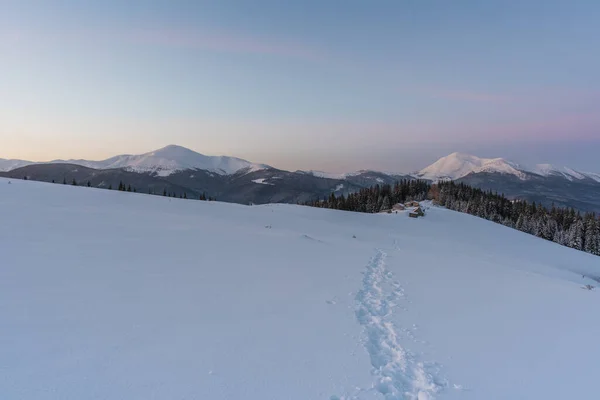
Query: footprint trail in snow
<point x="399" y="376"/>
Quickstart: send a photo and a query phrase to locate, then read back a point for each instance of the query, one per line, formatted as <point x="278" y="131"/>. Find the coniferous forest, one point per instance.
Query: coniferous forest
<point x="376" y="198"/>
<point x="564" y="226"/>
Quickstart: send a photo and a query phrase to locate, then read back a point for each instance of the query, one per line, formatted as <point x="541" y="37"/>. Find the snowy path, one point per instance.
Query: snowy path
<point x="399" y="376"/>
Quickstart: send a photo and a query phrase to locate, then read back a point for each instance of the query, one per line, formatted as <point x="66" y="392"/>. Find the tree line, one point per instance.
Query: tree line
<point x="123" y="187"/>
<point x="376" y="198"/>
<point x="564" y="226"/>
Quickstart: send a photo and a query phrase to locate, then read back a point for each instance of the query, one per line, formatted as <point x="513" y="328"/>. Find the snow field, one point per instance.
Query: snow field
<point x="112" y="295"/>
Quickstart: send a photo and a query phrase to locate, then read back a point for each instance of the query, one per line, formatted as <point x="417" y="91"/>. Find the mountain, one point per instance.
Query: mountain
<point x="457" y="165"/>
<point x="362" y="178"/>
<point x="548" y="170"/>
<point x="247" y="185"/>
<point x="178" y="170"/>
<point x="582" y="195"/>
<point x="162" y="162"/>
<point x="168" y="160"/>
<point x="109" y="295"/>
<point x="8" y="165"/>
<point x="542" y="183"/>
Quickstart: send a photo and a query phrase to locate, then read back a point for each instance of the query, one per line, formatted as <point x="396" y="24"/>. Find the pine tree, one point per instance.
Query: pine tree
<point x="575" y="238"/>
<point x="129" y="188"/>
<point x="591" y="231"/>
<point x="89" y="184"/>
<point x="385" y="204"/>
<point x="74" y="183"/>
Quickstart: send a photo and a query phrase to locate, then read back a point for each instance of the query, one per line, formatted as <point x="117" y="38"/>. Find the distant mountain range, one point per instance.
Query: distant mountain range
<point x="459" y="165"/>
<point x="178" y="170"/>
<point x="162" y="162"/>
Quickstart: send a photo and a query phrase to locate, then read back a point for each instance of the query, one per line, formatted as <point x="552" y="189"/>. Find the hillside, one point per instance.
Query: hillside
<point x="112" y="295"/>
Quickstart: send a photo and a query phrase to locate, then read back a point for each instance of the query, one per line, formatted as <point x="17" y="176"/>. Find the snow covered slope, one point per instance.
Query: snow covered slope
<point x="8" y="165"/>
<point x="113" y="295"/>
<point x="170" y="159"/>
<point x="458" y="165"/>
<point x="328" y="175"/>
<point x="566" y="172"/>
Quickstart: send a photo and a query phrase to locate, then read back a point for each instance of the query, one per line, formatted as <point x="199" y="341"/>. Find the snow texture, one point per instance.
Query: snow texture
<point x="113" y="295"/>
<point x="399" y="376"/>
<point x="262" y="181"/>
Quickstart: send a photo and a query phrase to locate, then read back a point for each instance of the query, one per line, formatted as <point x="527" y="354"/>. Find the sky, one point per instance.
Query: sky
<point x="325" y="85"/>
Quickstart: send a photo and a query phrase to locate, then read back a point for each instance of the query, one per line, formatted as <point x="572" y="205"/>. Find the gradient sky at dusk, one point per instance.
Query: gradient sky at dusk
<point x="330" y="85"/>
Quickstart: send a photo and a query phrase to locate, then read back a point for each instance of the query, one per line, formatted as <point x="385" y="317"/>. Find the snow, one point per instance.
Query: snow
<point x="339" y="187"/>
<point x="110" y="295"/>
<point x="333" y="175"/>
<point x="592" y="175"/>
<point x="173" y="158"/>
<point x="543" y="169"/>
<point x="458" y="165"/>
<point x="162" y="162"/>
<point x="328" y="175"/>
<point x="262" y="181"/>
<point x="566" y="172"/>
<point x="8" y="165"/>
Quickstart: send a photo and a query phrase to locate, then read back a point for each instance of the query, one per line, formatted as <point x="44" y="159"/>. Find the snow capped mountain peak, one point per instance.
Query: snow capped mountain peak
<point x="458" y="165"/>
<point x="170" y="159"/>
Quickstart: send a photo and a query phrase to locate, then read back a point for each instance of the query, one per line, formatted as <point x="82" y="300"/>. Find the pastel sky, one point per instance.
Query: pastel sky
<point x="329" y="85"/>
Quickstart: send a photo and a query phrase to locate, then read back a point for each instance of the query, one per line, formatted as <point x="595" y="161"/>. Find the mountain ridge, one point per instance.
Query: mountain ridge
<point x="175" y="169"/>
<point x="172" y="158"/>
<point x="163" y="162"/>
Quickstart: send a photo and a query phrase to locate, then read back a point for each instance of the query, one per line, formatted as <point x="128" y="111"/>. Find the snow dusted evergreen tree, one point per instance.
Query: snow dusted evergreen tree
<point x="561" y="225"/>
<point x="575" y="238"/>
<point x="591" y="234"/>
<point x="385" y="204"/>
